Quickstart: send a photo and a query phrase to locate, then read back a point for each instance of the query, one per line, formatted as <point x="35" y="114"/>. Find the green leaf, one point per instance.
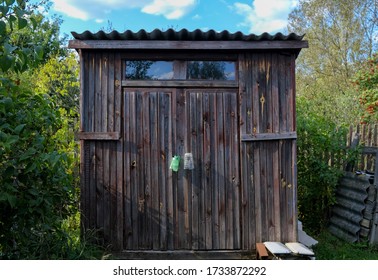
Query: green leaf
<point x="34" y="22"/>
<point x="9" y="2"/>
<point x="3" y="28"/>
<point x="22" y="23"/>
<point x="6" y="62"/>
<point x="12" y="199"/>
<point x="19" y="128"/>
<point x="4" y="10"/>
<point x="29" y="153"/>
<point x="9" y="48"/>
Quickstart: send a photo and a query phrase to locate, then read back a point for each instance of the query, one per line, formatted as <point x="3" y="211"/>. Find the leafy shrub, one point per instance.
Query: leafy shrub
<point x="321" y="153"/>
<point x="37" y="190"/>
<point x="39" y="216"/>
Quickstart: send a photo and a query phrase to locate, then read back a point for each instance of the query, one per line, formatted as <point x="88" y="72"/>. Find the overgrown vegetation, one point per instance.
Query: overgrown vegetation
<point x="321" y="151"/>
<point x="341" y="40"/>
<point x="38" y="155"/>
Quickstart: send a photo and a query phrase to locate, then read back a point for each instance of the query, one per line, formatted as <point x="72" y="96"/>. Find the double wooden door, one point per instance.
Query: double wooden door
<point x="196" y="209"/>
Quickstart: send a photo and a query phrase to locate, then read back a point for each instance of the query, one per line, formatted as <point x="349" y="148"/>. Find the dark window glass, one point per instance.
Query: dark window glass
<point x="149" y="70"/>
<point x="195" y="70"/>
<point x="211" y="70"/>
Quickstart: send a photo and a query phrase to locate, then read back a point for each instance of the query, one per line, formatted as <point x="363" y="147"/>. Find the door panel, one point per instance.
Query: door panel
<point x="190" y="209"/>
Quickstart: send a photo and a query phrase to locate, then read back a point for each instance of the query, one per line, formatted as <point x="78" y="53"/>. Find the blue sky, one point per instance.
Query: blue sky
<point x="247" y="16"/>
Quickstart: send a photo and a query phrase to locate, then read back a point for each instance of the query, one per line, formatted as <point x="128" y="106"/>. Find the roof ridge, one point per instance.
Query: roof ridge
<point x="185" y="35"/>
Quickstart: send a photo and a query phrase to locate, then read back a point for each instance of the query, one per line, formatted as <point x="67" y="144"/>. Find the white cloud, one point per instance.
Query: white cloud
<point x="98" y="9"/>
<point x="265" y="15"/>
<point x="171" y="9"/>
<point x="69" y="9"/>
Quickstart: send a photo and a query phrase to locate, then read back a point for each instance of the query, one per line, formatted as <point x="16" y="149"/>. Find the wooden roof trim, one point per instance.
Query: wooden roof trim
<point x="187" y="45"/>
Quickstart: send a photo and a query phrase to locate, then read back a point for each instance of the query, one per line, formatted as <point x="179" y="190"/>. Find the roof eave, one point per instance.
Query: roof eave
<point x="187" y="45"/>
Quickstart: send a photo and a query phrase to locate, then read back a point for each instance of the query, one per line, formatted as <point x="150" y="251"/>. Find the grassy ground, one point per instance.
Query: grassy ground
<point x="332" y="248"/>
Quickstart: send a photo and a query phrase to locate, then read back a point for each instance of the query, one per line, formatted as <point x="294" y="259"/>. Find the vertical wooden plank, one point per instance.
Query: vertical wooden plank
<point x="154" y="112"/>
<point x="128" y="190"/>
<point x="258" y="196"/>
<point x="221" y="186"/>
<point x="206" y="179"/>
<point x="108" y="211"/>
<point x="171" y="182"/>
<point x="163" y="119"/>
<point x="99" y="147"/>
<point x="264" y="189"/>
<point x="294" y="206"/>
<point x="275" y="153"/>
<point x="92" y="189"/>
<point x="235" y="169"/>
<point x="115" y="223"/>
<point x="227" y="110"/>
<point x="137" y="163"/>
<point x="246" y="83"/>
<point x="188" y="174"/>
<point x="271" y="222"/>
<point x="146" y="162"/>
<point x="262" y="98"/>
<point x="216" y="163"/>
<point x="282" y="94"/>
<point x="91" y="127"/>
<point x="268" y="110"/>
<point x="181" y="189"/>
<point x="202" y="173"/>
<point x="275" y="101"/>
<point x="196" y="172"/>
<point x="255" y="94"/>
<point x="276" y="191"/>
<point x="115" y="113"/>
<point x="292" y="150"/>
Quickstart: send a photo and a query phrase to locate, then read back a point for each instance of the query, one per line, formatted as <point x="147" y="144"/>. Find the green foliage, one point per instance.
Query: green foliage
<point x="340" y="35"/>
<point x="37" y="188"/>
<point x="15" y="16"/>
<point x="39" y="90"/>
<point x="58" y="78"/>
<point x="366" y="81"/>
<point x="321" y="152"/>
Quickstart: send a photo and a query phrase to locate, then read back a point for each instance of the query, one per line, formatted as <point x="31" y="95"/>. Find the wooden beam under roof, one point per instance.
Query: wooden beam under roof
<point x="188" y="45"/>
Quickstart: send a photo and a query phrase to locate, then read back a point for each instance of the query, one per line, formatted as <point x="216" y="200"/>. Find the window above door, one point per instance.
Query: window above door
<point x="195" y="70"/>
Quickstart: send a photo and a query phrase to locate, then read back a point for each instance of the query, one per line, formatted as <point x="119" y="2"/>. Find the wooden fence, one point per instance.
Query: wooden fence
<point x="365" y="136"/>
<point x="355" y="214"/>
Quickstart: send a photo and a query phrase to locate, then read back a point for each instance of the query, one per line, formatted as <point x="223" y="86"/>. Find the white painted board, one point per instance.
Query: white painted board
<point x="298" y="248"/>
<point x="277" y="247"/>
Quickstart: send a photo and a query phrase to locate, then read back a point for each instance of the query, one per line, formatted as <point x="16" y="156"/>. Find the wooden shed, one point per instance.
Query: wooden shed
<point x="222" y="102"/>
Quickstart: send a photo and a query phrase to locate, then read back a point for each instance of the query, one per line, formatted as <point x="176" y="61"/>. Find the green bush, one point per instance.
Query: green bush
<point x="37" y="190"/>
<point x="321" y="153"/>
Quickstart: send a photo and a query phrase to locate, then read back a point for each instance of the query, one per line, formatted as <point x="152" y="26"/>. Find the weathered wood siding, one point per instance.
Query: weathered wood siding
<point x="102" y="160"/>
<point x="191" y="209"/>
<point x="268" y="147"/>
<point x="242" y="189"/>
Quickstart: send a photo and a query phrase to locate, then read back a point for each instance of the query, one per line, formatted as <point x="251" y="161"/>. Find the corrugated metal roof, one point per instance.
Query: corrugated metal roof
<point x="185" y="35"/>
